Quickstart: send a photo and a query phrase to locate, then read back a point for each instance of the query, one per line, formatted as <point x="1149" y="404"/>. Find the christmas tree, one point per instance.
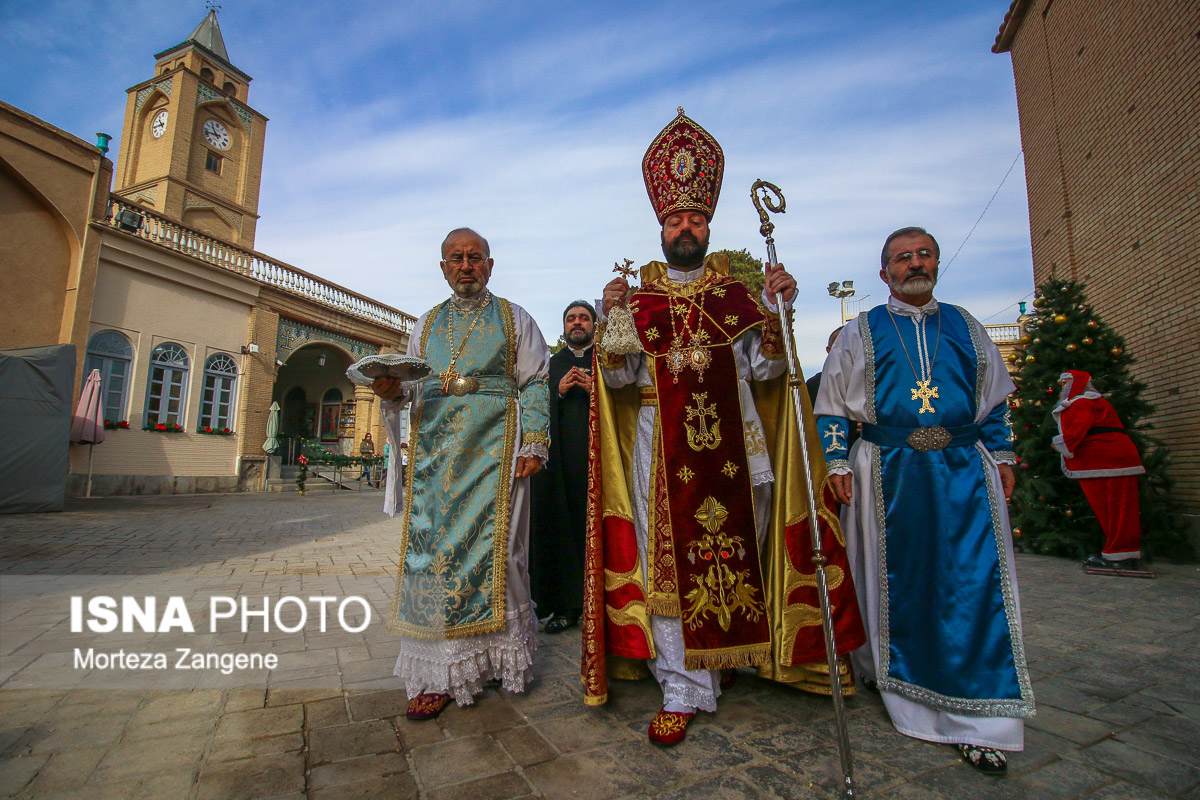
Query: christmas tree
<point x="1049" y="511"/>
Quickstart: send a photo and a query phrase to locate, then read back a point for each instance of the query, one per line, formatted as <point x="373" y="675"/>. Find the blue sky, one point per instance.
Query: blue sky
<point x="393" y="122"/>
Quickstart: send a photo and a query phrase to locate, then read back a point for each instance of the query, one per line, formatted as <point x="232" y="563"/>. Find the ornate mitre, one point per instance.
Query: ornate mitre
<point x="683" y="168"/>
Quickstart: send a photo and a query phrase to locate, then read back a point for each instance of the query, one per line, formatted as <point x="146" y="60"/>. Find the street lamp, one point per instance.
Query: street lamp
<point x="842" y="291"/>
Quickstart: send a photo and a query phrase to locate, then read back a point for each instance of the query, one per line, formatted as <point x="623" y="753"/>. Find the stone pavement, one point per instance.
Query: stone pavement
<point x="1115" y="662"/>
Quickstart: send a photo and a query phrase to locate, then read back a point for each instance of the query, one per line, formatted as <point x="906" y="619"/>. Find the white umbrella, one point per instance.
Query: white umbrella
<point x="88" y="425"/>
<point x="272" y="444"/>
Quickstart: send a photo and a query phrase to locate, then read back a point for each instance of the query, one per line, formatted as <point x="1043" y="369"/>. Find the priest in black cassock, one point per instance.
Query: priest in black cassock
<point x="559" y="502"/>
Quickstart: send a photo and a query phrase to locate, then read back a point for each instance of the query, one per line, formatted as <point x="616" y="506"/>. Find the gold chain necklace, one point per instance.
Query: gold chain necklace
<point x="924" y="392"/>
<point x="452" y="382"/>
<point x="692" y="353"/>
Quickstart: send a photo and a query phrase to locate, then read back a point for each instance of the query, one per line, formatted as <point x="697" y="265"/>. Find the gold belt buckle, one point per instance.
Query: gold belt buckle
<point x="934" y="437"/>
<point x="462" y="385"/>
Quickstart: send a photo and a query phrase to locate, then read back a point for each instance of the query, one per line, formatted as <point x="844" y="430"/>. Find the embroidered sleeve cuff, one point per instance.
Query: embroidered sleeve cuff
<point x="1004" y="456"/>
<point x="535" y="437"/>
<point x="769" y="303"/>
<point x="537" y="450"/>
<point x="838" y="466"/>
<point x="772" y="337"/>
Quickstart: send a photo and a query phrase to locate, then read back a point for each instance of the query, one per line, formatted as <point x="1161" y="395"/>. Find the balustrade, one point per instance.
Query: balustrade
<point x="149" y="226"/>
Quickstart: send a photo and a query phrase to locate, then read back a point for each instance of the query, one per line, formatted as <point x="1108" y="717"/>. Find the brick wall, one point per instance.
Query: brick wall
<point x="1108" y="94"/>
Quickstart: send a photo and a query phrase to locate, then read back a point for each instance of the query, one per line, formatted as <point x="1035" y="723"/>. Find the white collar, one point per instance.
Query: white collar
<point x="901" y="307"/>
<point x="471" y="303"/>
<point x="579" y="353"/>
<point x="685" y="276"/>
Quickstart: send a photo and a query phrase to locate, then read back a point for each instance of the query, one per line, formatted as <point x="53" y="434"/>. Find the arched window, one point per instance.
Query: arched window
<point x="229" y="89"/>
<point x="206" y="74"/>
<point x="167" y="389"/>
<point x="216" y="402"/>
<point x="110" y="352"/>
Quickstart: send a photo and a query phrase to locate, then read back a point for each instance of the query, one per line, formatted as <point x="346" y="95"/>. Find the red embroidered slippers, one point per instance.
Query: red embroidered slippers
<point x="427" y="706"/>
<point x="669" y="727"/>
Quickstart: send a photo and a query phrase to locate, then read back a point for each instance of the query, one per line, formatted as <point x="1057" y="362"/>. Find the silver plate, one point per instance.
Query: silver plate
<point x="392" y="365"/>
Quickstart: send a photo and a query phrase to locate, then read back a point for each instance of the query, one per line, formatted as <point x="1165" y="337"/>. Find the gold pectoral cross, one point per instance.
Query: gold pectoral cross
<point x="923" y="393"/>
<point x="447" y="375"/>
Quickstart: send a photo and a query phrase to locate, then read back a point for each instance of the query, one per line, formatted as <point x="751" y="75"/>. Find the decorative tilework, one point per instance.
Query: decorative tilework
<point x="144" y="92"/>
<point x="293" y="335"/>
<point x="205" y="93"/>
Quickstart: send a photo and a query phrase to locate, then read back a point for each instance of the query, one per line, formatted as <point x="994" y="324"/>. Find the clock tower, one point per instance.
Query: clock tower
<point x="191" y="146"/>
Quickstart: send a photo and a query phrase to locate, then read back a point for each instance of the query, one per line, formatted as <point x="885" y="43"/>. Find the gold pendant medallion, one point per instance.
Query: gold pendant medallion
<point x="461" y="385"/>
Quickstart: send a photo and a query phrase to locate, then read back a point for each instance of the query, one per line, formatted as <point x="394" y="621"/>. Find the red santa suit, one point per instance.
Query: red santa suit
<point x="1096" y="451"/>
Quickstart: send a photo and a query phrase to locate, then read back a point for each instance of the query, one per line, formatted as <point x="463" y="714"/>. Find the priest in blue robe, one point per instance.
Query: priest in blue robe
<point x="926" y="523"/>
<point x="478" y="427"/>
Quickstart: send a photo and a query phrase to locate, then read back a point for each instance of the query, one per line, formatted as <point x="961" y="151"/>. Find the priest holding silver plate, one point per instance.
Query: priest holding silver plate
<point x="474" y="382"/>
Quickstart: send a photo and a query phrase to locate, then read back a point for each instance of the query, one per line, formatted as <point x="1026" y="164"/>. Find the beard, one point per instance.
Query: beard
<point x="685" y="251"/>
<point x="909" y="285"/>
<point x="579" y="338"/>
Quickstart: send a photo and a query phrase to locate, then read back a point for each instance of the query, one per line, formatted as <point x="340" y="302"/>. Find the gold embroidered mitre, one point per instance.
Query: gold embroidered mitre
<point x="683" y="169"/>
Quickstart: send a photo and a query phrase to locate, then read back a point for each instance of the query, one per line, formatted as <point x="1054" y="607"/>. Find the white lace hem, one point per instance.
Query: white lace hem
<point x="460" y="667"/>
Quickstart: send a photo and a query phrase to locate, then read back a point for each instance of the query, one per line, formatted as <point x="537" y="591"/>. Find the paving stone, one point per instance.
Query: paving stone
<point x="719" y="787"/>
<point x="525" y="745"/>
<point x="414" y="733"/>
<point x="1066" y="779"/>
<point x="490" y="712"/>
<point x="1121" y="714"/>
<point x="586" y="731"/>
<point x="1121" y="790"/>
<point x="496" y="787"/>
<point x="388" y="787"/>
<point x="1139" y="766"/>
<point x="591" y="775"/>
<point x="647" y="762"/>
<point x="771" y="782"/>
<point x="357" y="769"/>
<point x="231" y="750"/>
<point x="323" y="713"/>
<point x="16" y="772"/>
<point x="1072" y="727"/>
<point x="458" y="760"/>
<point x="65" y="770"/>
<point x="252" y="777"/>
<point x="708" y="750"/>
<point x="261" y="722"/>
<point x="351" y="741"/>
<point x="379" y="705"/>
<point x="98" y="731"/>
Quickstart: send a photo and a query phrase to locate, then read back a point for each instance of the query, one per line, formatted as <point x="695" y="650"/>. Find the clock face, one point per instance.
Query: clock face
<point x="159" y="126"/>
<point x="216" y="134"/>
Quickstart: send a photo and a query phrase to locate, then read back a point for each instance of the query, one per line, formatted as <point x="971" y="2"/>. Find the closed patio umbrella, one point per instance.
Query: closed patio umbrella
<point x="272" y="444"/>
<point x="88" y="425"/>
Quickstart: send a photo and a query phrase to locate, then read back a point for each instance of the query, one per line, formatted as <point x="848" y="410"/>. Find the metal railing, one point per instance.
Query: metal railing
<point x="124" y="215"/>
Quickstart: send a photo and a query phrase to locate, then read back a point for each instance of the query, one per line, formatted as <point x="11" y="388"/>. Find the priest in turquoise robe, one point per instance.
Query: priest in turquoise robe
<point x="926" y="527"/>
<point x="478" y="431"/>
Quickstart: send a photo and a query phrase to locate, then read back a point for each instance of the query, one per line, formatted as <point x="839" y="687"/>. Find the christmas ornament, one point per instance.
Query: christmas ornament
<point x="1060" y="318"/>
<point x="1070" y="512"/>
<point x="1012" y="358"/>
<point x="1037" y="340"/>
<point x="1026" y="339"/>
<point x="1030" y="359"/>
<point x="1116" y="351"/>
<point x="1093" y="324"/>
<point x="1039" y="301"/>
<point x="1072" y="347"/>
<point x="1017" y="532"/>
<point x="1087" y="340"/>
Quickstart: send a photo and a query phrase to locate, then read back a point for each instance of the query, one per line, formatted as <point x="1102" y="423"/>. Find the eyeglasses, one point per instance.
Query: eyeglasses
<point x="908" y="255"/>
<point x="474" y="259"/>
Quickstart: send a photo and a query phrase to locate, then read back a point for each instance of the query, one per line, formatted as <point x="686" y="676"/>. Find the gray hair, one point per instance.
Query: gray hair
<point x="911" y="230"/>
<point x="487" y="250"/>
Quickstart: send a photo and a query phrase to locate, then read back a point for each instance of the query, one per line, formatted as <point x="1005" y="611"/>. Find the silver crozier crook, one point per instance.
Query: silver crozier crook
<point x="818" y="556"/>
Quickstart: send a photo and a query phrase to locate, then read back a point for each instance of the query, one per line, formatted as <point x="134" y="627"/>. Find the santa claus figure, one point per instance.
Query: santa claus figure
<point x="1096" y="450"/>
